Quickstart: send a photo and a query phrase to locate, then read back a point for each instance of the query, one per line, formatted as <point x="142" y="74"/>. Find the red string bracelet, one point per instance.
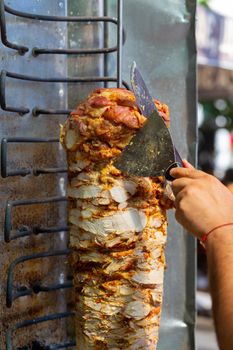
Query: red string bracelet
<point x="206" y="235"/>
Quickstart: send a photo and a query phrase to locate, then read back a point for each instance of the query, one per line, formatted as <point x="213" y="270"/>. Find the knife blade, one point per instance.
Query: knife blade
<point x="151" y="151"/>
<point x="146" y="104"/>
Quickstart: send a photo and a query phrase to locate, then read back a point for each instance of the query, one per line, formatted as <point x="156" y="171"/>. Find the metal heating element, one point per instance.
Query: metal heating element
<point x="16" y="291"/>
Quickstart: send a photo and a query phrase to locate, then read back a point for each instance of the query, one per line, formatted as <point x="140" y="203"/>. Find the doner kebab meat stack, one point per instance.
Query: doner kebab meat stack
<point x="118" y="227"/>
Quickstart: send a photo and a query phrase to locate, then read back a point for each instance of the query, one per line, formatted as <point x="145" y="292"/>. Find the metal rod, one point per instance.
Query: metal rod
<point x="11" y="295"/>
<point x="4" y="158"/>
<point x="106" y="37"/>
<point x="39" y="171"/>
<point x="80" y="19"/>
<point x="25" y="231"/>
<point x="36" y="111"/>
<point x="31" y="139"/>
<point x="60" y="80"/>
<point x="119" y="42"/>
<point x="37" y="288"/>
<point x="21" y="111"/>
<point x="39" y="51"/>
<point x="23" y="172"/>
<point x="26" y="323"/>
<point x="21" y="49"/>
<point x="106" y="50"/>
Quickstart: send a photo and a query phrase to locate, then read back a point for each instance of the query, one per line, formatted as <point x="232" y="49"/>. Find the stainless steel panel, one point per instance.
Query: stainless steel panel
<point x="44" y="95"/>
<point x="160" y="38"/>
<point x="85" y="35"/>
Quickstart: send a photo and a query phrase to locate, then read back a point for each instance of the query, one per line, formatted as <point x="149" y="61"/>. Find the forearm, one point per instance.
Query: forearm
<point x="203" y="203"/>
<point x="220" y="265"/>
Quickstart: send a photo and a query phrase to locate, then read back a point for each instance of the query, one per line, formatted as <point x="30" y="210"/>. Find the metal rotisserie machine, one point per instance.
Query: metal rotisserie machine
<point x="53" y="53"/>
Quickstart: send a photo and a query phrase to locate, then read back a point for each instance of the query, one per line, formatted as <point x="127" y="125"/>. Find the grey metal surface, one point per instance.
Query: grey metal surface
<point x="30" y="94"/>
<point x="160" y="37"/>
<point x="84" y="35"/>
<point x="206" y="336"/>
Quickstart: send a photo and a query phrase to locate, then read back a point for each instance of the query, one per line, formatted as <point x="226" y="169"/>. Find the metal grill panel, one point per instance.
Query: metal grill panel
<point x="24" y="230"/>
<point x="22" y="291"/>
<point x="23" y="172"/>
<point x="37" y="71"/>
<point x="10" y="332"/>
<point x="36" y="111"/>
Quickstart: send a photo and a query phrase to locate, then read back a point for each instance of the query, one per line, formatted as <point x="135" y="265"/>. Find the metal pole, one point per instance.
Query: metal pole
<point x="119" y="42"/>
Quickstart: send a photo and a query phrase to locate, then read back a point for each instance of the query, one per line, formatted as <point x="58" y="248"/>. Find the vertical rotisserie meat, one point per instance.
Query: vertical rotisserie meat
<point x="118" y="227"/>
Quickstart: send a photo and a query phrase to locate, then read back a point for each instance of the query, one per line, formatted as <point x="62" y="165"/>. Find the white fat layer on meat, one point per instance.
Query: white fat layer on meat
<point x="71" y="138"/>
<point x="117" y="265"/>
<point x="155" y="221"/>
<point x="119" y="194"/>
<point x="79" y="165"/>
<point x="137" y="310"/>
<point x="128" y="220"/>
<point x="105" y="308"/>
<point x="123" y="190"/>
<point x="84" y="191"/>
<point x="122" y="205"/>
<point x="83" y="177"/>
<point x="130" y="186"/>
<point x="149" y="277"/>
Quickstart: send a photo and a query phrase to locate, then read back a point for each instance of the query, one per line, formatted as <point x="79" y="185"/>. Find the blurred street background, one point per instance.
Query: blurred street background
<point x="215" y="121"/>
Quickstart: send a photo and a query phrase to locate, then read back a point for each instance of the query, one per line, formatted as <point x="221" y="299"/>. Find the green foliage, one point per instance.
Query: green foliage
<point x="203" y="2"/>
<point x="218" y="108"/>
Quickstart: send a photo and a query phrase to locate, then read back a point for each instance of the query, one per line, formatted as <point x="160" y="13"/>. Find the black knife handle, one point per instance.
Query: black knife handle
<point x="167" y="173"/>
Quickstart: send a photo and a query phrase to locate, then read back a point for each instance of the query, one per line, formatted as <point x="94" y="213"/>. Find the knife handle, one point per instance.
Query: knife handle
<point x="167" y="172"/>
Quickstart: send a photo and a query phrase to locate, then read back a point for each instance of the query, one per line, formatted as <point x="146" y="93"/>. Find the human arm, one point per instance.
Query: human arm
<point x="203" y="203"/>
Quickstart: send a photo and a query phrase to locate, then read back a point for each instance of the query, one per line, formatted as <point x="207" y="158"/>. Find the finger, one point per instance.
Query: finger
<point x="180" y="196"/>
<point x="179" y="184"/>
<point x="192" y="173"/>
<point x="186" y="164"/>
